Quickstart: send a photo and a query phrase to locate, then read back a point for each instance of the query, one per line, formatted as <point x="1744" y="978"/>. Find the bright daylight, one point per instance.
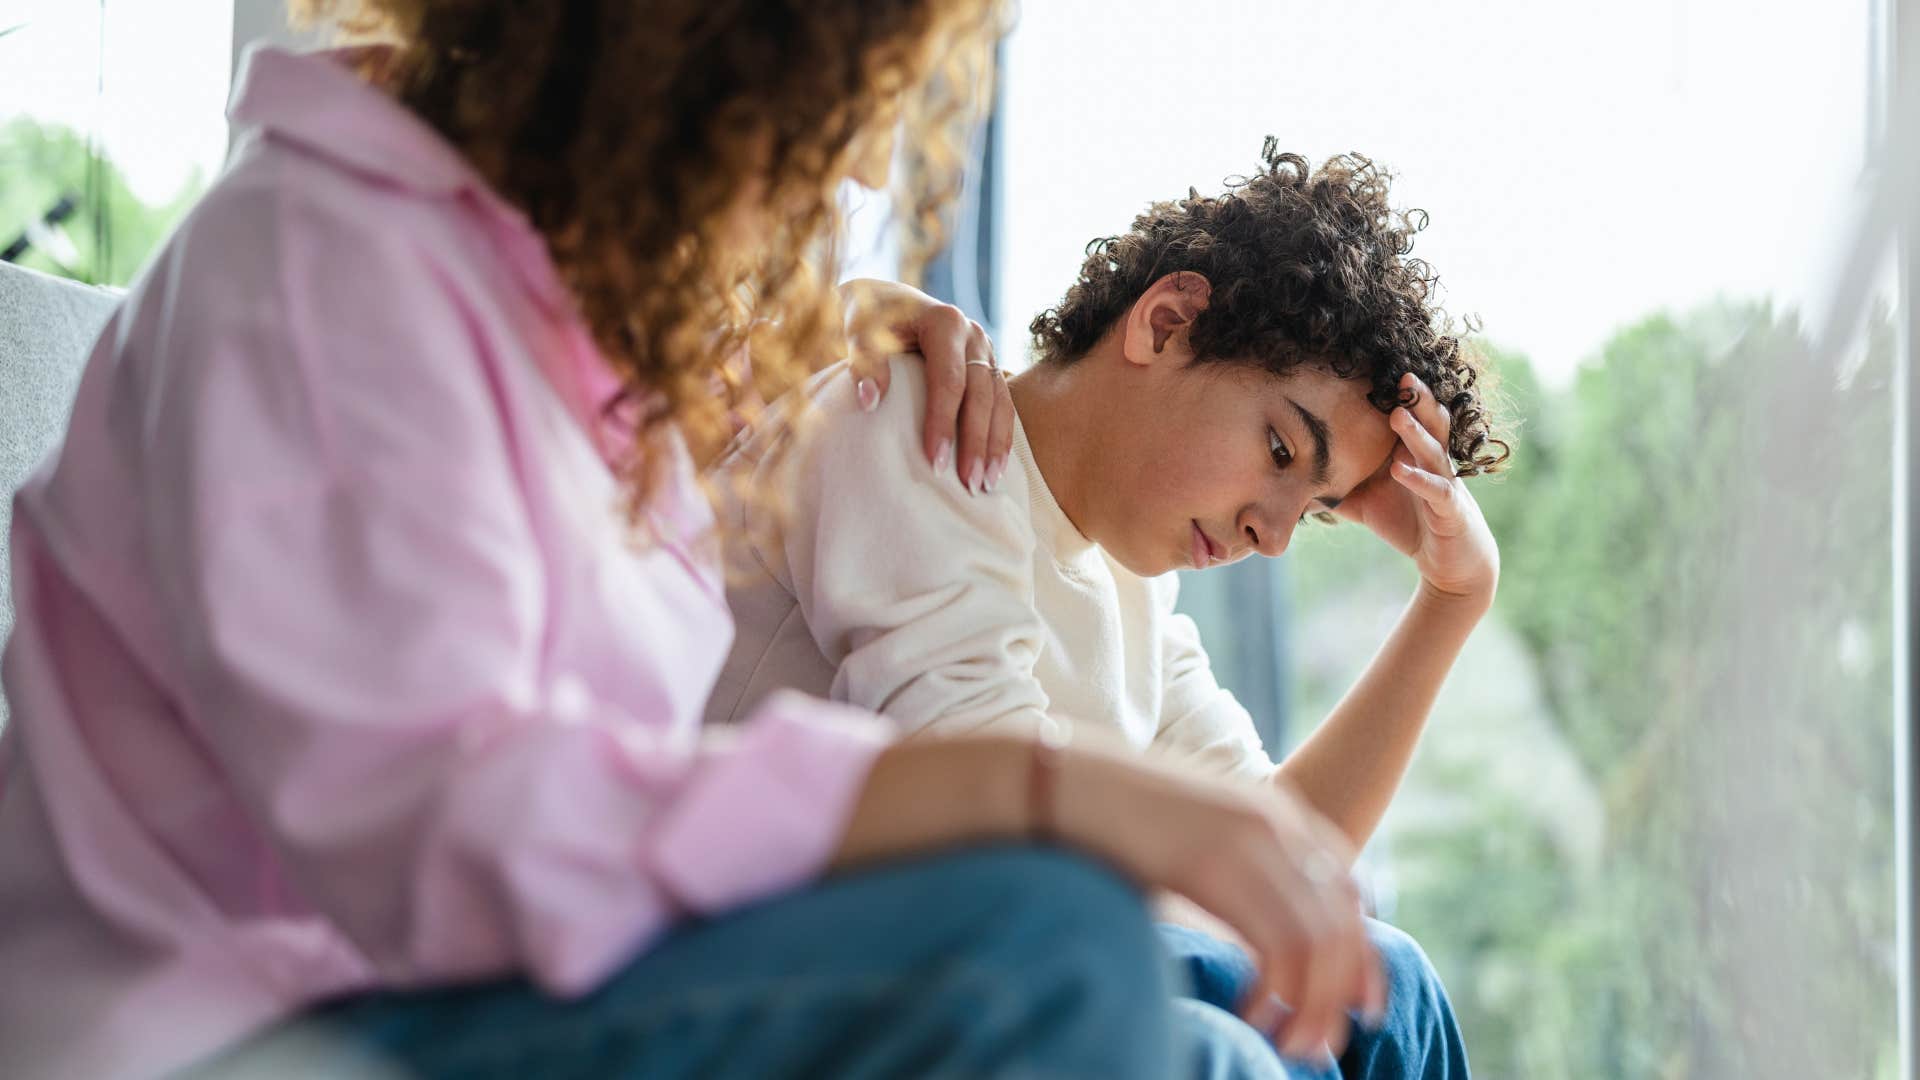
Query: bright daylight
<point x="958" y="538"/>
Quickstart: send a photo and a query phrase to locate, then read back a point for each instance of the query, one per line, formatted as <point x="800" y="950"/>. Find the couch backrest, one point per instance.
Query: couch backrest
<point x="47" y="328"/>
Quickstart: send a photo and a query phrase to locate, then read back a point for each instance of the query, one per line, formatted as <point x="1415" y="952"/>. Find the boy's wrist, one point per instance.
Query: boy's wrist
<point x="1477" y="599"/>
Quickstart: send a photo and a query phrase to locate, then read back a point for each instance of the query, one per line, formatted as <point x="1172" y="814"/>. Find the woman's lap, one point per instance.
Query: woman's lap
<point x="1001" y="961"/>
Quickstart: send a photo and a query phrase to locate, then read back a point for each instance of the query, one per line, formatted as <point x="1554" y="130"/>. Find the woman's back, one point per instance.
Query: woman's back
<point x="328" y="547"/>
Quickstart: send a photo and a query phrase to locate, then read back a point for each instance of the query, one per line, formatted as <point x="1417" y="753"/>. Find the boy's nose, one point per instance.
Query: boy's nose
<point x="1269" y="534"/>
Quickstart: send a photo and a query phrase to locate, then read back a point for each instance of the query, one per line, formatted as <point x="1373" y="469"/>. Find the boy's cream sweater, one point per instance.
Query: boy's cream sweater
<point x="893" y="589"/>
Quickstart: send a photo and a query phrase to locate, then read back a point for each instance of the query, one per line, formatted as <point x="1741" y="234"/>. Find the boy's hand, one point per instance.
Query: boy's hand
<point x="1420" y="507"/>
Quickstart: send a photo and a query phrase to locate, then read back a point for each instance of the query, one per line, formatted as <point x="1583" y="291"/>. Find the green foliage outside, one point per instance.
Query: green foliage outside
<point x="42" y="163"/>
<point x="1649" y="833"/>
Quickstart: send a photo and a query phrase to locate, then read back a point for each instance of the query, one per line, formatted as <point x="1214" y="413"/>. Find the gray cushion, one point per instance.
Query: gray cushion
<point x="47" y="329"/>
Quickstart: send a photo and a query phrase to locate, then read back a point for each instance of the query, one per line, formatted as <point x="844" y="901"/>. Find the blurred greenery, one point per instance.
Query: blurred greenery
<point x="44" y="162"/>
<point x="1649" y="832"/>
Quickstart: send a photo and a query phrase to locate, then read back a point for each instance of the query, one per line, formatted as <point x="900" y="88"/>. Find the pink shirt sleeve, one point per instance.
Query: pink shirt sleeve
<point x="346" y="543"/>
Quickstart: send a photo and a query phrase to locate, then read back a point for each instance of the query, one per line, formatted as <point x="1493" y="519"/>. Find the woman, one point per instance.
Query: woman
<point x="365" y="623"/>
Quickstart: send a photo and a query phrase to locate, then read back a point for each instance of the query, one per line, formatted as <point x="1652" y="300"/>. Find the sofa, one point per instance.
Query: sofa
<point x="47" y="329"/>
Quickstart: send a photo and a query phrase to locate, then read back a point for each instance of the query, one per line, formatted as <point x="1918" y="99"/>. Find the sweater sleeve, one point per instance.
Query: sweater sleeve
<point x="1200" y="721"/>
<point x="343" y="545"/>
<point x="920" y="594"/>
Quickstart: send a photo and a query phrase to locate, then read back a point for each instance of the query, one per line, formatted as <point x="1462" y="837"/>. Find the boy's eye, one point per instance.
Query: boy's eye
<point x="1282" y="457"/>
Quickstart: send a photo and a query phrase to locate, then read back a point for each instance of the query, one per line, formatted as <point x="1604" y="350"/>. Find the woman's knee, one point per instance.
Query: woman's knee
<point x="1069" y="906"/>
<point x="1074" y="955"/>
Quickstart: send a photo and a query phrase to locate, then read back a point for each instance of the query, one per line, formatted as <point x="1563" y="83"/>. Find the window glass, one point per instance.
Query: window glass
<point x="1649" y="831"/>
<point x="111" y="123"/>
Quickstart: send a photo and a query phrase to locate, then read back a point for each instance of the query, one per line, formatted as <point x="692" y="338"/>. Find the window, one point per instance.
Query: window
<point x="113" y="125"/>
<point x="1650" y="831"/>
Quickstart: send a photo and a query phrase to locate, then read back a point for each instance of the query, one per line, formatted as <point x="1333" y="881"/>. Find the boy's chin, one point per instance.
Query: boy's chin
<point x="1148" y="567"/>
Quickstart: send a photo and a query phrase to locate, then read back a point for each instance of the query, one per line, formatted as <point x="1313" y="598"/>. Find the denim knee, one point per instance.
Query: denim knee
<point x="1411" y="977"/>
<point x="1079" y="908"/>
<point x="1420" y="1037"/>
<point x="1079" y="943"/>
<point x="1214" y="1044"/>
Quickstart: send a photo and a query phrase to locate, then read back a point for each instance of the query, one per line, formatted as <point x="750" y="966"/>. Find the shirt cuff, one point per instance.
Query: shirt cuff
<point x="767" y="813"/>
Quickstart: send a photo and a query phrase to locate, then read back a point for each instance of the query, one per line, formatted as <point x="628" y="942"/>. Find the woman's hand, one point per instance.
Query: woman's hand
<point x="1253" y="855"/>
<point x="969" y="422"/>
<point x="1426" y="512"/>
<point x="1256" y="858"/>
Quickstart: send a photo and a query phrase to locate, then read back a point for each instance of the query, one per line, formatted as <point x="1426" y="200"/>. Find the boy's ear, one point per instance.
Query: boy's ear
<point x="1158" y="322"/>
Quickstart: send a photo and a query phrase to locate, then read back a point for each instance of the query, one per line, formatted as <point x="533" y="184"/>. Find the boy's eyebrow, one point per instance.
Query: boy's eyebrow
<point x="1322" y="455"/>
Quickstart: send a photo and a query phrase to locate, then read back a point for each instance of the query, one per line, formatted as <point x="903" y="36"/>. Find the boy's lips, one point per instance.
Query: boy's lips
<point x="1205" y="551"/>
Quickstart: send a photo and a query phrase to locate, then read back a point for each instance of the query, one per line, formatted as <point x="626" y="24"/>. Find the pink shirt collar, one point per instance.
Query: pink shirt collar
<point x="316" y="100"/>
<point x="328" y="109"/>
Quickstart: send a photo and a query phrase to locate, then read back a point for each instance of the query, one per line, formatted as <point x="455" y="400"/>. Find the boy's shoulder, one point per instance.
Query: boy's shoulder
<point x="826" y="409"/>
<point x="837" y="449"/>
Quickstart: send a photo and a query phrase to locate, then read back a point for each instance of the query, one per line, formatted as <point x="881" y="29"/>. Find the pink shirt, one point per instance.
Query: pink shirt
<point x="334" y="665"/>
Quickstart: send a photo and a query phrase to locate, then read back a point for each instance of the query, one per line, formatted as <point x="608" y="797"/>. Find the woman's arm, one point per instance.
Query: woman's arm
<point x="1349" y="768"/>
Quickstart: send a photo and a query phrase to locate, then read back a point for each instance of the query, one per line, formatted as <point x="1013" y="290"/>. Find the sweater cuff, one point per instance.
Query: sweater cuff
<point x="768" y="814"/>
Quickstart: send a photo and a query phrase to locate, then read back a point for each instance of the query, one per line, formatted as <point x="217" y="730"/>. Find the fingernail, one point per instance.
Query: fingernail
<point x="1296" y="1048"/>
<point x="994" y="472"/>
<point x="943" y="456"/>
<point x="975" y="476"/>
<point x="1264" y="1013"/>
<point x="868" y="392"/>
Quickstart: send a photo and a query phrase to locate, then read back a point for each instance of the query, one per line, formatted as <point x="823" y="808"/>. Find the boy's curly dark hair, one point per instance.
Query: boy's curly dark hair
<point x="1305" y="267"/>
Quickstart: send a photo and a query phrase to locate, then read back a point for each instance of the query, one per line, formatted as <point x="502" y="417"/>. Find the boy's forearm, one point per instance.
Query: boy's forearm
<point x="1349" y="768"/>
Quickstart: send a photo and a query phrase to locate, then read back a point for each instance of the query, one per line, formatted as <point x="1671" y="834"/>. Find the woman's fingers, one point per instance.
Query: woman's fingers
<point x="969" y="418"/>
<point x="877" y="315"/>
<point x="1000" y="438"/>
<point x="943" y="335"/>
<point x="1307" y="931"/>
<point x="1336" y="981"/>
<point x="977" y="409"/>
<point x="872" y="377"/>
<point x="1373" y="995"/>
<point x="1318" y="1012"/>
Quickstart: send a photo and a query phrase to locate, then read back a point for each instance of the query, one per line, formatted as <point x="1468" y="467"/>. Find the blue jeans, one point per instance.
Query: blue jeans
<point x="996" y="962"/>
<point x="1419" y="1039"/>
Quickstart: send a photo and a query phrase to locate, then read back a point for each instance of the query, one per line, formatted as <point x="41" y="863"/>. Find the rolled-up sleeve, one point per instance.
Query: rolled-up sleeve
<point x="349" y="557"/>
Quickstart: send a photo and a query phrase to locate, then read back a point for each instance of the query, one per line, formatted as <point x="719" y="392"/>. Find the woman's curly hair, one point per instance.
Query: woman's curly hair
<point x="626" y="130"/>
<point x="1305" y="267"/>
